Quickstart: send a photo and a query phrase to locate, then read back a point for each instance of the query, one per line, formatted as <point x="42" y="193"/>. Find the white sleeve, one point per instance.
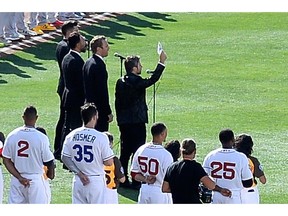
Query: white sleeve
<point x="134" y="164"/>
<point x="246" y="172"/>
<point x="47" y="153"/>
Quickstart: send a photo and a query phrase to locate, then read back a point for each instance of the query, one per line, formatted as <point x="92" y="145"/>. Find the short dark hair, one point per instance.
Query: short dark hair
<point x="97" y="41"/>
<point x="110" y="136"/>
<point x="188" y="146"/>
<point x="30" y="112"/>
<point x="68" y="26"/>
<point x="157" y="128"/>
<point x="244" y="144"/>
<point x="130" y="62"/>
<point x="74" y="39"/>
<point x="41" y="129"/>
<point x="88" y="110"/>
<point x="173" y="146"/>
<point x="226" y="135"/>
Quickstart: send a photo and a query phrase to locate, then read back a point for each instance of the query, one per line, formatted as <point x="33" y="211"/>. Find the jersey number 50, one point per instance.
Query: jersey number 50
<point x="148" y="165"/>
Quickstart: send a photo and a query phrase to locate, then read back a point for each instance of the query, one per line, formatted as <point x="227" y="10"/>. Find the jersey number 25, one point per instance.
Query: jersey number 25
<point x="228" y="171"/>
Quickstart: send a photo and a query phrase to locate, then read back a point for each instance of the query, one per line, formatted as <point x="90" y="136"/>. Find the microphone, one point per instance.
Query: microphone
<point x="149" y="71"/>
<point x="120" y="56"/>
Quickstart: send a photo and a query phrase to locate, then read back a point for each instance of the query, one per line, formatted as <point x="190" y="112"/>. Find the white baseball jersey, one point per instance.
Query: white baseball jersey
<point x="228" y="168"/>
<point x="28" y="149"/>
<point x="151" y="159"/>
<point x="88" y="149"/>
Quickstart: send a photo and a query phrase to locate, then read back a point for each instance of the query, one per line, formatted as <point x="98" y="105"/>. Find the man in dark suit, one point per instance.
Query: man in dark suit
<point x="61" y="50"/>
<point x="73" y="94"/>
<point x="131" y="108"/>
<point x="95" y="77"/>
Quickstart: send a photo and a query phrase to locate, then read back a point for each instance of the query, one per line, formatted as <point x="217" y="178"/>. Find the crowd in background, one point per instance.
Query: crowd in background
<point x="15" y="26"/>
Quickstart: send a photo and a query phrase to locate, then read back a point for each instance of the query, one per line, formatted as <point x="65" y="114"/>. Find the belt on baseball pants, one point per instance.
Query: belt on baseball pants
<point x="143" y="182"/>
<point x="251" y="190"/>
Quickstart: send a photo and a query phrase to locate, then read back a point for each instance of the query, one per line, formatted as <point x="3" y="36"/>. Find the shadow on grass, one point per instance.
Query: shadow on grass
<point x="111" y="28"/>
<point x="128" y="193"/>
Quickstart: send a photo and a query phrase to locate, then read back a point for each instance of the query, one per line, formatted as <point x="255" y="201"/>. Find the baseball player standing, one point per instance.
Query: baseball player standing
<point x="84" y="152"/>
<point x="244" y="144"/>
<point x="228" y="168"/>
<point x="149" y="166"/>
<point x="114" y="175"/>
<point x="26" y="151"/>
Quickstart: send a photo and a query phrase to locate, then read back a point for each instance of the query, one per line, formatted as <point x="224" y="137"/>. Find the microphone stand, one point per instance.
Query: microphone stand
<point x="121" y="66"/>
<point x="154" y="101"/>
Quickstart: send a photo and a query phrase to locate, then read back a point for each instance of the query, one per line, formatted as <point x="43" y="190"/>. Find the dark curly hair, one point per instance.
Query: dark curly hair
<point x="244" y="144"/>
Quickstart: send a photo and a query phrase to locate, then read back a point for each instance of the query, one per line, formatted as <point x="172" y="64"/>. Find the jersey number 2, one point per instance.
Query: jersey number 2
<point x="23" y="146"/>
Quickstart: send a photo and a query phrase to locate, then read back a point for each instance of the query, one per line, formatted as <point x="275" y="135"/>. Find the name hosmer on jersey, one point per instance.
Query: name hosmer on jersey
<point x="84" y="138"/>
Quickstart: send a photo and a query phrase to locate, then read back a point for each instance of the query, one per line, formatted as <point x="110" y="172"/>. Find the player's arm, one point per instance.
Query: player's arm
<point x="108" y="162"/>
<point x="210" y="184"/>
<point x="71" y="166"/>
<point x="119" y="172"/>
<point x="50" y="169"/>
<point x="12" y="169"/>
<point x="166" y="187"/>
<point x="141" y="178"/>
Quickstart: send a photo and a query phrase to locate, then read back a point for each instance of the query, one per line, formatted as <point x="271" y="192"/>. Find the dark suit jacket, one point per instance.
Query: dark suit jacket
<point x="130" y="97"/>
<point x="95" y="78"/>
<point x="73" y="95"/>
<point x="61" y="50"/>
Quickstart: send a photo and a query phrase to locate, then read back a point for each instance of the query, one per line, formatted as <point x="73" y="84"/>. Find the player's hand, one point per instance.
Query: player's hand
<point x="226" y="192"/>
<point x="163" y="57"/>
<point x="84" y="179"/>
<point x="24" y="181"/>
<point x="150" y="179"/>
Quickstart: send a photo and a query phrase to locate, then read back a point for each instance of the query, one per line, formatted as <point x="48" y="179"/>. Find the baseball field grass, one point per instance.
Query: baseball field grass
<point x="224" y="70"/>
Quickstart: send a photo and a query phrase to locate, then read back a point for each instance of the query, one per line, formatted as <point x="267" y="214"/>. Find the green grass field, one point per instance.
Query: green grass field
<point x="224" y="70"/>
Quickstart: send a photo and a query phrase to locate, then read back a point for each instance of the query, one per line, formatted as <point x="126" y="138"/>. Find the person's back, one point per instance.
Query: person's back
<point x="26" y="151"/>
<point x="225" y="166"/>
<point x="114" y="175"/>
<point x="90" y="146"/>
<point x="185" y="182"/>
<point x="244" y="144"/>
<point x="228" y="168"/>
<point x="151" y="161"/>
<point x="26" y="142"/>
<point x="85" y="152"/>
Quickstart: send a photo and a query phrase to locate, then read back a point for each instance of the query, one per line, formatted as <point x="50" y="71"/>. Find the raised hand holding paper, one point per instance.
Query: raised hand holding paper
<point x="159" y="48"/>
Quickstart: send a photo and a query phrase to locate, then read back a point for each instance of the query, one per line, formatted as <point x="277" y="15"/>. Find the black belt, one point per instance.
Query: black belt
<point x="251" y="190"/>
<point x="143" y="182"/>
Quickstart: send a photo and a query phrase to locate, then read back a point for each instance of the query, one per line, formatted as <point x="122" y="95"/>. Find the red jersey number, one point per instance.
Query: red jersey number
<point x="228" y="171"/>
<point x="23" y="146"/>
<point x="148" y="165"/>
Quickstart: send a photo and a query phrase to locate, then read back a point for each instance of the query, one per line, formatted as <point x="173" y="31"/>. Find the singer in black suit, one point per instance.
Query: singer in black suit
<point x="61" y="50"/>
<point x="96" y="81"/>
<point x="73" y="94"/>
<point x="131" y="109"/>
